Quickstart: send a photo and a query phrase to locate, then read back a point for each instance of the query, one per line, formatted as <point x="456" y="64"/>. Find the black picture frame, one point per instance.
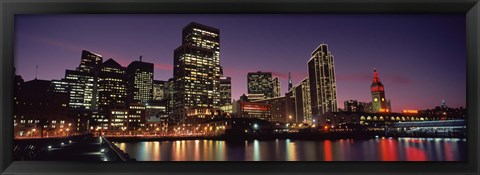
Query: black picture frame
<point x="8" y="8"/>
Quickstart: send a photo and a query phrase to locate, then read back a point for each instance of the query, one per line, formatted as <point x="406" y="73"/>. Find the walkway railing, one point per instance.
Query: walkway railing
<point x="113" y="151"/>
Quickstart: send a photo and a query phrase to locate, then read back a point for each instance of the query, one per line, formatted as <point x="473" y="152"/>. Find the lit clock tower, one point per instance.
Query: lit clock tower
<point x="379" y="103"/>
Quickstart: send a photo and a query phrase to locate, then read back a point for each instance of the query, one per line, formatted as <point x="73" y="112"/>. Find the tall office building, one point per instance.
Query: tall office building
<point x="276" y="87"/>
<point x="81" y="84"/>
<point x="140" y="81"/>
<point x="321" y="74"/>
<point x="302" y="99"/>
<point x="379" y="103"/>
<point x="196" y="70"/>
<point x="112" y="84"/>
<point x="225" y="91"/>
<point x="259" y="83"/>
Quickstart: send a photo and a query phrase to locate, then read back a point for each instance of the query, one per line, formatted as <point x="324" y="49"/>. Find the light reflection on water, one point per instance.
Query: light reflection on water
<point x="388" y="149"/>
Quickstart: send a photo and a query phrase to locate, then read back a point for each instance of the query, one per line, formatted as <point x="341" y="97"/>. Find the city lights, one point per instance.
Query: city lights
<point x="124" y="107"/>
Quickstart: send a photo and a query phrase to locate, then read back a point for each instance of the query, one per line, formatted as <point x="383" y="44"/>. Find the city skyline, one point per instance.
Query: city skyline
<point x="353" y="76"/>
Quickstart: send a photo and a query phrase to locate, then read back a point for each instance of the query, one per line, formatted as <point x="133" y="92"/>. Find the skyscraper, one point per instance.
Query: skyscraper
<point x="112" y="91"/>
<point x="276" y="87"/>
<point x="140" y="81"/>
<point x="321" y="74"/>
<point x="303" y="104"/>
<point x="379" y="103"/>
<point x="196" y="70"/>
<point x="225" y="91"/>
<point x="260" y="83"/>
<point x="81" y="84"/>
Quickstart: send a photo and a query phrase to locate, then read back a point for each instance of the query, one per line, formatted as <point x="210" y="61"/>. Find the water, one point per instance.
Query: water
<point x="388" y="149"/>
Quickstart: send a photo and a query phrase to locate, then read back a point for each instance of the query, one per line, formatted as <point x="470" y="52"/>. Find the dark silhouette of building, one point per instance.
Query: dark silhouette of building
<point x="290" y="84"/>
<point x="39" y="111"/>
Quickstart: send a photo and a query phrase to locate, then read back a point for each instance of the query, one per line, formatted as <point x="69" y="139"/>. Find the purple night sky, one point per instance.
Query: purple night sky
<point x="421" y="59"/>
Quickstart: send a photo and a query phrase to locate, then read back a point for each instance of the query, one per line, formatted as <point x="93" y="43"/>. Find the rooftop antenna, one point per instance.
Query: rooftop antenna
<point x="36" y="71"/>
<point x="140" y="58"/>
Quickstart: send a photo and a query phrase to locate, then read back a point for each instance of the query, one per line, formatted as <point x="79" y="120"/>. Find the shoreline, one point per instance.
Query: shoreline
<point x="263" y="138"/>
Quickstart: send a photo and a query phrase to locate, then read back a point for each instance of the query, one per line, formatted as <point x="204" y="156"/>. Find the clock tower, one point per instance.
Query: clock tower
<point x="379" y="103"/>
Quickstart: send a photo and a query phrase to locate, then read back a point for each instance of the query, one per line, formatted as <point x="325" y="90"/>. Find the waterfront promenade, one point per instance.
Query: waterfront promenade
<point x="74" y="148"/>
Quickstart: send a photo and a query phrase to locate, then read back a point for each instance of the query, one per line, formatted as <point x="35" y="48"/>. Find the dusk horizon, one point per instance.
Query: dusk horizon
<point x="407" y="50"/>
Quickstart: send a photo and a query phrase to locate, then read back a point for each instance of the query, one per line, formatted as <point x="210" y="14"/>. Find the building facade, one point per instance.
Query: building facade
<point x="140" y="81"/>
<point x="159" y="90"/>
<point x="112" y="91"/>
<point x="379" y="102"/>
<point x="276" y="87"/>
<point x="278" y="110"/>
<point x="40" y="112"/>
<point x="260" y="83"/>
<point x="196" y="70"/>
<point x="303" y="108"/>
<point x="351" y="106"/>
<point x="321" y="74"/>
<point x="225" y="91"/>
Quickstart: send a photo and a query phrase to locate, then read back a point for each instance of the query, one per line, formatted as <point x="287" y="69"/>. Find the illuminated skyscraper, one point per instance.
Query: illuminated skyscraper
<point x="379" y="103"/>
<point x="303" y="106"/>
<point x="276" y="87"/>
<point x="112" y="84"/>
<point x="225" y="91"/>
<point x="259" y="83"/>
<point x="112" y="91"/>
<point x="81" y="84"/>
<point x="140" y="81"/>
<point x="321" y="74"/>
<point x="196" y="70"/>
